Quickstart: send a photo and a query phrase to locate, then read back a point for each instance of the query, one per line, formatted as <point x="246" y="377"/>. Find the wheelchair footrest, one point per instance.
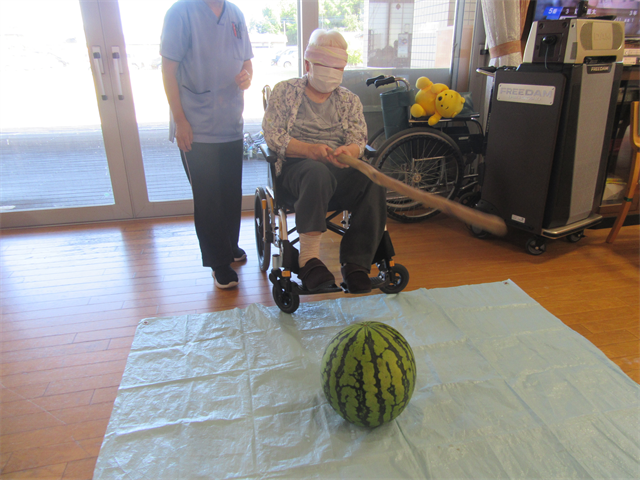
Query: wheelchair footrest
<point x="286" y="284"/>
<point x="376" y="282"/>
<point x="302" y="290"/>
<point x="295" y="288"/>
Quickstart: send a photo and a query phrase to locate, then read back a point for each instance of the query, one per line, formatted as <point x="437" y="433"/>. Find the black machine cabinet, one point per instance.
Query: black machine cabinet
<point x="520" y="147"/>
<point x="547" y="145"/>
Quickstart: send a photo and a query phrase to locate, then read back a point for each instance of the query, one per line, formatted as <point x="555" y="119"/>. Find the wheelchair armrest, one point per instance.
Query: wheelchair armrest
<point x="369" y="152"/>
<point x="268" y="154"/>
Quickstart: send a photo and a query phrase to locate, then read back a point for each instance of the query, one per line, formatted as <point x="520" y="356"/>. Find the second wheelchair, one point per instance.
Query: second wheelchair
<point x="439" y="159"/>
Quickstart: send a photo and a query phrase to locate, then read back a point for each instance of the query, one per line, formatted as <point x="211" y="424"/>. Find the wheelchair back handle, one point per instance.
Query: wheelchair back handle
<point x="374" y="79"/>
<point x="382" y="80"/>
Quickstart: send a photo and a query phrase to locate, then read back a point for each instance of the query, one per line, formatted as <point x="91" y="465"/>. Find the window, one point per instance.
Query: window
<point x="407" y="38"/>
<point x="415" y="34"/>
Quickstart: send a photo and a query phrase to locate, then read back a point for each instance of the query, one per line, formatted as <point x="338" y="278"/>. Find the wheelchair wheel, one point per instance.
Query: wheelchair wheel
<point x="377" y="139"/>
<point x="471" y="199"/>
<point x="263" y="229"/>
<point x="288" y="302"/>
<point x="375" y="142"/>
<point x="397" y="279"/>
<point x="423" y="158"/>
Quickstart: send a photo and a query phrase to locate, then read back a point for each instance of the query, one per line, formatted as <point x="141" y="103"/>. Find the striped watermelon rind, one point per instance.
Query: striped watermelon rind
<point x="368" y="373"/>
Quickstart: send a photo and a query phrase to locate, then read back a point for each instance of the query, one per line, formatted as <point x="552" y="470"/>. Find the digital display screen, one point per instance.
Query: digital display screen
<point x="624" y="11"/>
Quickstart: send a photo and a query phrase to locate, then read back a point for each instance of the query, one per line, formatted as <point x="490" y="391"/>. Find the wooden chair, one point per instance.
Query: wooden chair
<point x="632" y="184"/>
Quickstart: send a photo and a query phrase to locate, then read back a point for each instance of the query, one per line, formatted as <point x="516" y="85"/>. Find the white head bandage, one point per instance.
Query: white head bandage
<point x="329" y="56"/>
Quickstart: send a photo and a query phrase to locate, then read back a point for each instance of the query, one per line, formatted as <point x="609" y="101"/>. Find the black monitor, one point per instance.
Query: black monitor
<point x="627" y="11"/>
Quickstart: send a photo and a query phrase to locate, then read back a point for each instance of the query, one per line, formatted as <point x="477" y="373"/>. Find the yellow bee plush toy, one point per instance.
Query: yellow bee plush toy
<point x="448" y="104"/>
<point x="426" y="97"/>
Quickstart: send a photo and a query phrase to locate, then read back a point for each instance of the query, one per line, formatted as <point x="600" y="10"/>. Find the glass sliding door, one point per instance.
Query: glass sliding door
<point x="160" y="189"/>
<point x="53" y="157"/>
<point x="163" y="172"/>
<point x="84" y="117"/>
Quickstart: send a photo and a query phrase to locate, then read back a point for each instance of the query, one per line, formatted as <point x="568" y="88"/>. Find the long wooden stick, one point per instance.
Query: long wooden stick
<point x="485" y="221"/>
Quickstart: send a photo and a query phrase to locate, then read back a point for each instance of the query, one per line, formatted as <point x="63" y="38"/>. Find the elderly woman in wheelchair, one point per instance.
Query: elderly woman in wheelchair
<point x="308" y="122"/>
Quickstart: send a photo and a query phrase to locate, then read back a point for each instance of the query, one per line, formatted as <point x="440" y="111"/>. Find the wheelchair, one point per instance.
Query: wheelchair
<point x="272" y="206"/>
<point x="442" y="159"/>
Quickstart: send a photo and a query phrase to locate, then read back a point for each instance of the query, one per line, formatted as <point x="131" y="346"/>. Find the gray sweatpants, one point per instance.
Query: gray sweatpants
<point x="320" y="188"/>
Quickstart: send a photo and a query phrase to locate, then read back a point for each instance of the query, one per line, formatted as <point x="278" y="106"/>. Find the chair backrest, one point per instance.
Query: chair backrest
<point x="266" y="93"/>
<point x="268" y="155"/>
<point x="634" y="123"/>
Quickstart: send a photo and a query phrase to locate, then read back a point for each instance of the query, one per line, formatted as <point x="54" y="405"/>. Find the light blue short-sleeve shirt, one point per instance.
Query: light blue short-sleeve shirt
<point x="211" y="52"/>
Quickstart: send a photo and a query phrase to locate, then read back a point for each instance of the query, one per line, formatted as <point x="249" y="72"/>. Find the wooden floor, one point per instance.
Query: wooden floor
<point x="72" y="297"/>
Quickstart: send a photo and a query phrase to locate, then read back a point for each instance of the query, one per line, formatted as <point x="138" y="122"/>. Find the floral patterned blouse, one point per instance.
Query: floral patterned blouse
<point x="282" y="111"/>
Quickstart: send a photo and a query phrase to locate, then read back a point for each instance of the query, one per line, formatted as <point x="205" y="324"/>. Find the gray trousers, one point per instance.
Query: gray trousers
<point x="215" y="174"/>
<point x="319" y="188"/>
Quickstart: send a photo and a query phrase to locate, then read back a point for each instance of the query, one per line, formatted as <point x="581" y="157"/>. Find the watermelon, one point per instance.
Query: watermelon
<point x="368" y="373"/>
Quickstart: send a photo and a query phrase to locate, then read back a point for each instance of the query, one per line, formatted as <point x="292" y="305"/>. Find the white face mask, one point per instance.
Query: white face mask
<point x="324" y="79"/>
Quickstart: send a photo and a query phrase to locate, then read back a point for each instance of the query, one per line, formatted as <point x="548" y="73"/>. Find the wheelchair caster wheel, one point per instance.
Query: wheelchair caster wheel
<point x="397" y="278"/>
<point x="469" y="199"/>
<point x="536" y="246"/>
<point x="288" y="302"/>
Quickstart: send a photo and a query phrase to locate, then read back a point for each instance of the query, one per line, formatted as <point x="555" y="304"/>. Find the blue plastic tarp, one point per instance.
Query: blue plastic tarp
<point x="504" y="390"/>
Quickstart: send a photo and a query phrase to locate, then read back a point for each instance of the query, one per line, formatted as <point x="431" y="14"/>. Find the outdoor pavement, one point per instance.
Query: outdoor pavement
<point x="40" y="170"/>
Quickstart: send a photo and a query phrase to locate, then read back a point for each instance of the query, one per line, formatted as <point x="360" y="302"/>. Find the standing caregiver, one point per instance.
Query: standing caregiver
<point x="206" y="66"/>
